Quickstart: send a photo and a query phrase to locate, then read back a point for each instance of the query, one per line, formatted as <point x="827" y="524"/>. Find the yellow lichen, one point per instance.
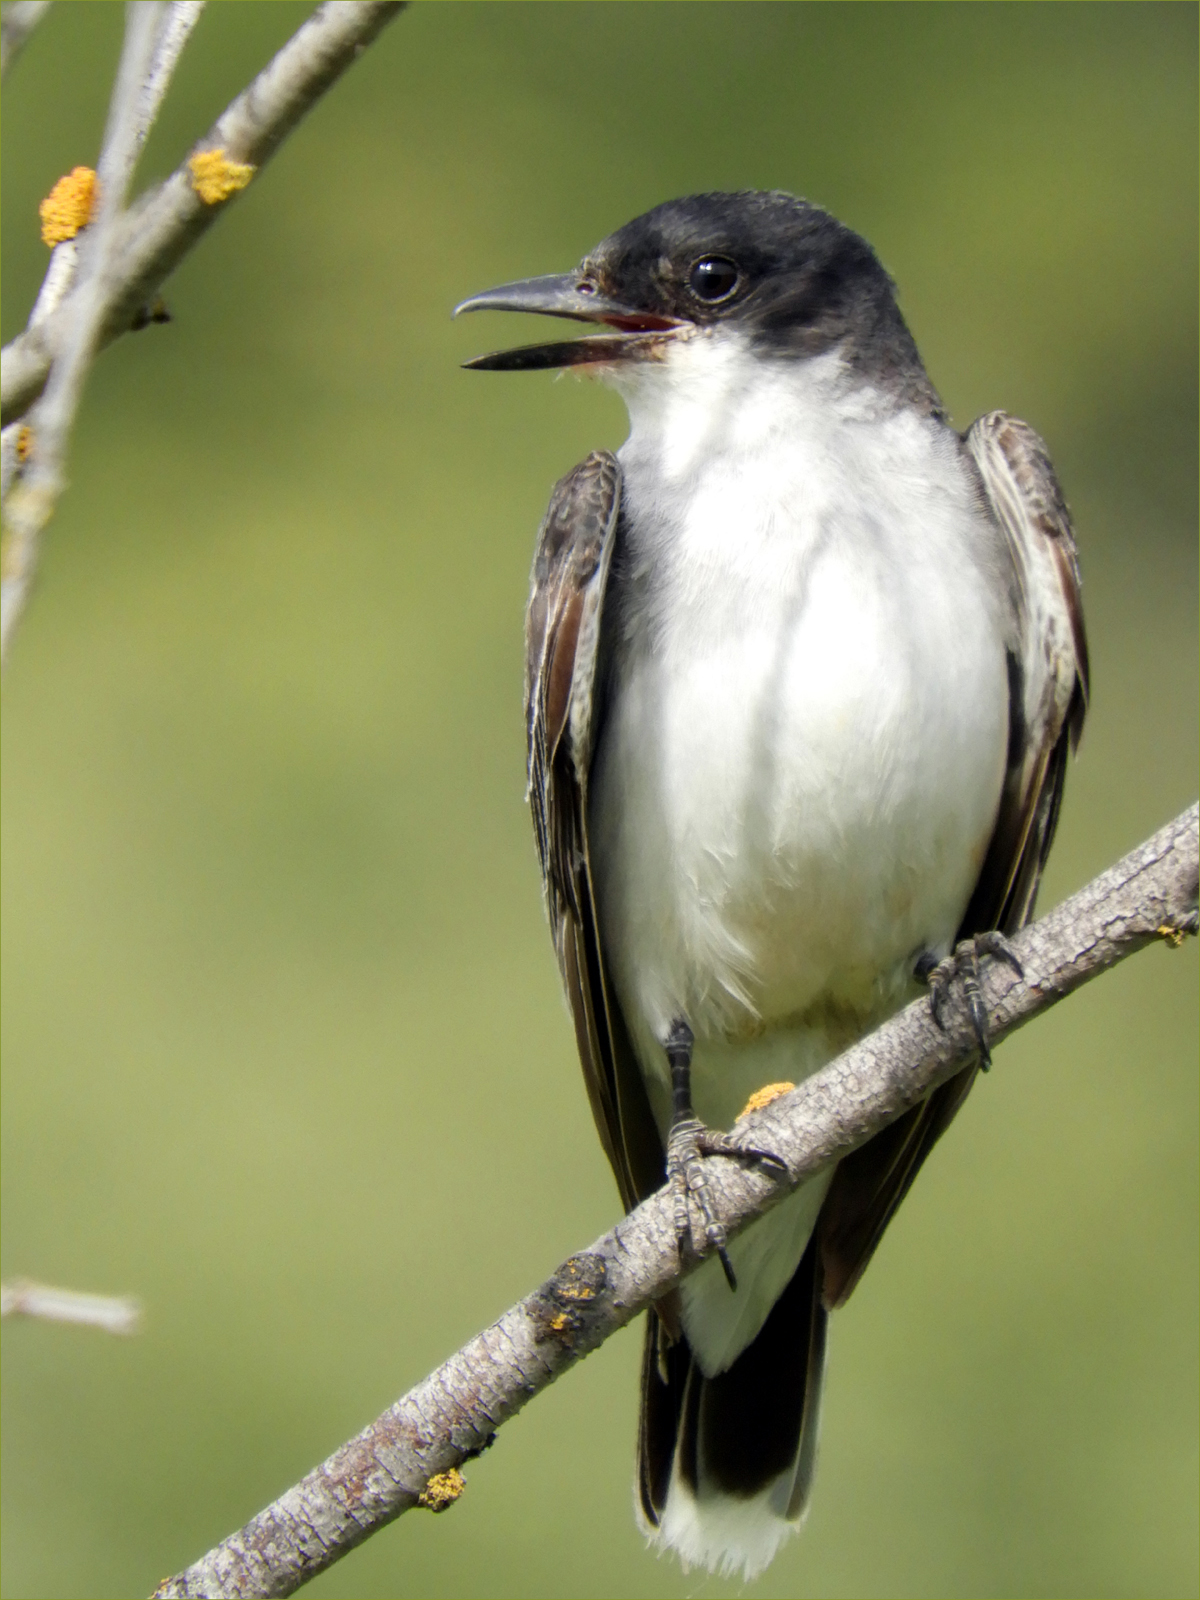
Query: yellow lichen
<point x="24" y="442"/>
<point x="69" y="206"/>
<point x="442" y="1490"/>
<point x="215" y="177"/>
<point x="1174" y="936"/>
<point x="579" y="1278"/>
<point x="763" y="1097"/>
<point x="575" y="1291"/>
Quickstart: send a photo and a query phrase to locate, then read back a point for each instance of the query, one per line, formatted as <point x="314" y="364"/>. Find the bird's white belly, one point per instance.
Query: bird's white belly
<point x="785" y="813"/>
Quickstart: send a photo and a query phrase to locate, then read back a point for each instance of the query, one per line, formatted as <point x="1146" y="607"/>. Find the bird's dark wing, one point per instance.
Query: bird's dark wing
<point x="562" y="711"/>
<point x="1048" y="670"/>
<point x="1048" y="691"/>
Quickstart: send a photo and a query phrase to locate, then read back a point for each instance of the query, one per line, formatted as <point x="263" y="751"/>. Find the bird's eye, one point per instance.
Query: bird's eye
<point x="714" y="278"/>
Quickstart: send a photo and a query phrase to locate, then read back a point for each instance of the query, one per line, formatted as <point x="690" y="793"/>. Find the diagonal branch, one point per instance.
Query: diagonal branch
<point x="411" y="1454"/>
<point x="159" y="231"/>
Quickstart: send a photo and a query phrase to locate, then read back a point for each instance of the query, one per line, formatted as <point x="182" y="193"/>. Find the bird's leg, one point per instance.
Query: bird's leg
<point x="685" y="1155"/>
<point x="963" y="964"/>
<point x="688" y="1142"/>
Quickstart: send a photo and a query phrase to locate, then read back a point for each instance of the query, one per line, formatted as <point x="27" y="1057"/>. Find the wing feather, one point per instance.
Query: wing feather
<point x="562" y="707"/>
<point x="1048" y="694"/>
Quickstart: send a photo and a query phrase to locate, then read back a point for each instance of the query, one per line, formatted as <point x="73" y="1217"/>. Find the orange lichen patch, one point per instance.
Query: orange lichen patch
<point x="442" y="1490"/>
<point x="571" y="1284"/>
<point x="763" y="1097"/>
<point x="215" y="177"/>
<point x="69" y="206"/>
<point x="24" y="442"/>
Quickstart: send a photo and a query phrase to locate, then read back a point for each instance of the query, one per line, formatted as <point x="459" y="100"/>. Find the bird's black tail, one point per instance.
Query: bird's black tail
<point x="725" y="1464"/>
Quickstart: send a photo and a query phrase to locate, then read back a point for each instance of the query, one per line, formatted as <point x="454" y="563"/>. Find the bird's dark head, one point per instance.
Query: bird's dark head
<point x="782" y="273"/>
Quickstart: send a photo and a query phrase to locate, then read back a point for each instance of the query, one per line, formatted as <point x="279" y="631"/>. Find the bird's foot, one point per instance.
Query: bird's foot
<point x="689" y="1143"/>
<point x="963" y="966"/>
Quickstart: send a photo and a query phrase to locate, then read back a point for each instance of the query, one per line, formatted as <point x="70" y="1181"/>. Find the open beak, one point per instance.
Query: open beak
<point x="568" y="295"/>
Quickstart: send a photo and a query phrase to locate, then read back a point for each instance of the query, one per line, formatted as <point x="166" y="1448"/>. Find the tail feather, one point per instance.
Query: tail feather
<point x="665" y="1368"/>
<point x="725" y="1464"/>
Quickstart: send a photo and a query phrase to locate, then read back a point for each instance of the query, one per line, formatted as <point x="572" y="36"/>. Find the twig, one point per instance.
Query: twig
<point x="74" y="311"/>
<point x="173" y="32"/>
<point x="17" y="22"/>
<point x="155" y="37"/>
<point x="112" y="1313"/>
<point x="127" y="255"/>
<point x="174" y="29"/>
<point x="1149" y="896"/>
<point x="164" y="226"/>
<point x="31" y="503"/>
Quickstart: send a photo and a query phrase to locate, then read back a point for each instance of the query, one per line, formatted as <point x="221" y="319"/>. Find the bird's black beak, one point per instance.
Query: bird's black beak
<point x="573" y="295"/>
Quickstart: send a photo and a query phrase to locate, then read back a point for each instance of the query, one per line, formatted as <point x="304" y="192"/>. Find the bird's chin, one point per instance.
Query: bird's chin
<point x="602" y="350"/>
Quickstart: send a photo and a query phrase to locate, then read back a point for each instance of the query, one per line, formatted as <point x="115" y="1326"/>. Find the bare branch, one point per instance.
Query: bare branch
<point x="1149" y="896"/>
<point x="174" y="29"/>
<point x="17" y="22"/>
<point x="112" y="1313"/>
<point x="164" y="226"/>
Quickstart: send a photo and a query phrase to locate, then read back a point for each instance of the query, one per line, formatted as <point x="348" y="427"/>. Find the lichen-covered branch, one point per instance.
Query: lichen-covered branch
<point x="412" y="1454"/>
<point x="98" y="285"/>
<point x="159" y="231"/>
<point x="30" y="503"/>
<point x="173" y="27"/>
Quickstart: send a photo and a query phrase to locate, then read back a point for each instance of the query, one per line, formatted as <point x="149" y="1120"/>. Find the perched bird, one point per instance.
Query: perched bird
<point x="803" y="668"/>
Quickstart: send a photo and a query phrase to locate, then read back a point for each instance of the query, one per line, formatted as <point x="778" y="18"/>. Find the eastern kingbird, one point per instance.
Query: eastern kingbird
<point x="803" y="665"/>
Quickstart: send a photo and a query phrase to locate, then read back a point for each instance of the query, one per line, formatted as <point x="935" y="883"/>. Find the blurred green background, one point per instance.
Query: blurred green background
<point x="284" y="1049"/>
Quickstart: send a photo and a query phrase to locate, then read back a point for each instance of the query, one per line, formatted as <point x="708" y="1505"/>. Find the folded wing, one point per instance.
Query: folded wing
<point x="562" y="635"/>
<point x="1048" y="692"/>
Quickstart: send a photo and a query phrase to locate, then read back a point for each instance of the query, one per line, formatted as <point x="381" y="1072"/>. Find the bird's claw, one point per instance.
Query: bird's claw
<point x="963" y="965"/>
<point x="689" y="1145"/>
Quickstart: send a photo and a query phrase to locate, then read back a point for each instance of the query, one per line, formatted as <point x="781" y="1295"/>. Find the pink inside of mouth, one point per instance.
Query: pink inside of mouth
<point x="641" y="324"/>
